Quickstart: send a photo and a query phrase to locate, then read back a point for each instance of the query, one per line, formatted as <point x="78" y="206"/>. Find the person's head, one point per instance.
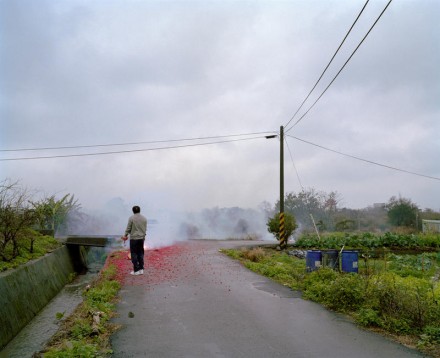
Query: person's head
<point x="136" y="209"/>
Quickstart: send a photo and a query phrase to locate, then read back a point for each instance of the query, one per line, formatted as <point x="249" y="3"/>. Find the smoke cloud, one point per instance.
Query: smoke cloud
<point x="166" y="227"/>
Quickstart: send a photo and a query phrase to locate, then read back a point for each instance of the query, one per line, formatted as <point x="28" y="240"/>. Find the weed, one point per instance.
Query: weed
<point x="254" y="255"/>
<point x="368" y="317"/>
<point x="79" y="335"/>
<point x="430" y="335"/>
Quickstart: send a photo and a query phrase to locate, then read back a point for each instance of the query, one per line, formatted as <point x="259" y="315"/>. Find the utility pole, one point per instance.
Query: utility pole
<point x="283" y="241"/>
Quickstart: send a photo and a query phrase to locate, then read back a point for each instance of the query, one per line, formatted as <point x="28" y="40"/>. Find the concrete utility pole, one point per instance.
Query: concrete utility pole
<point x="282" y="231"/>
<point x="283" y="241"/>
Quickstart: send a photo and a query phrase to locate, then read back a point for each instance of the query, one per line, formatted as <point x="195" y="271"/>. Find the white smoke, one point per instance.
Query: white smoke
<point x="166" y="227"/>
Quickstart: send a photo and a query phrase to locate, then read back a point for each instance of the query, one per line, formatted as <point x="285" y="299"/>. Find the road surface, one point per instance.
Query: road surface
<point x="194" y="301"/>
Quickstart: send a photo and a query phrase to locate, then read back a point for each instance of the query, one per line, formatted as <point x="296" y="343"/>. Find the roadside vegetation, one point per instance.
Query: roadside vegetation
<point x="87" y="331"/>
<point x="41" y="245"/>
<point x="27" y="224"/>
<point x="394" y="294"/>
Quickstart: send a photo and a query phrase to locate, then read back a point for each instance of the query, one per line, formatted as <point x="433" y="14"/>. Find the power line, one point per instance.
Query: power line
<point x="131" y="143"/>
<point x="364" y="160"/>
<point x="328" y="65"/>
<point x="334" y="78"/>
<point x="302" y="189"/>
<point x="129" y="151"/>
<point x="294" y="166"/>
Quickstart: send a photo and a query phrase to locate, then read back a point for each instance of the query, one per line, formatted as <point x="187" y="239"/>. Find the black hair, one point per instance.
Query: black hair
<point x="136" y="209"/>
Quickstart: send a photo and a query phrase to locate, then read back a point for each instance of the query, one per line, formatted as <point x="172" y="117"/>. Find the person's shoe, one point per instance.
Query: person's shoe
<point x="136" y="273"/>
<point x="141" y="272"/>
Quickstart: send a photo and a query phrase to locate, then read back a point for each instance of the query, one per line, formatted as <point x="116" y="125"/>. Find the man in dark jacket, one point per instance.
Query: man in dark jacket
<point x="137" y="229"/>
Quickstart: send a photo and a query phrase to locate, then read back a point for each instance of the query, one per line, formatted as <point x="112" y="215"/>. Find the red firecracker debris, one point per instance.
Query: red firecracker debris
<point x="166" y="264"/>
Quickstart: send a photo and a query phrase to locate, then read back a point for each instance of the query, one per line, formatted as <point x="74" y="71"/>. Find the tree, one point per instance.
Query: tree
<point x="52" y="213"/>
<point x="273" y="225"/>
<point x="16" y="216"/>
<point x="321" y="205"/>
<point x="402" y="212"/>
<point x="345" y="225"/>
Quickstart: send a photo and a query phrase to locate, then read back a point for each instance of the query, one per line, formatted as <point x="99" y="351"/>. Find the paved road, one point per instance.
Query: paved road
<point x="196" y="302"/>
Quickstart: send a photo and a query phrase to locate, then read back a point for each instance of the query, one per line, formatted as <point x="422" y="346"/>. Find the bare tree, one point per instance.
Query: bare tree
<point x="16" y="215"/>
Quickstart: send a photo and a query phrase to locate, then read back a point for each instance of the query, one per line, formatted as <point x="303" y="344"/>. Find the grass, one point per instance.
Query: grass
<point x="86" y="332"/>
<point x="398" y="295"/>
<point x="41" y="246"/>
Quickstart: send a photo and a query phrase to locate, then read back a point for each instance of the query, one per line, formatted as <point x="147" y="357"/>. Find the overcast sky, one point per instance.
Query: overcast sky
<point x="80" y="73"/>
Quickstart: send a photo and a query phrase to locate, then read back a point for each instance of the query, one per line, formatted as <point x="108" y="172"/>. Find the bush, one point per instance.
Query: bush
<point x="316" y="285"/>
<point x="347" y="292"/>
<point x="273" y="225"/>
<point x="343" y="293"/>
<point x="430" y="335"/>
<point x="368" y="317"/>
<point x="404" y="302"/>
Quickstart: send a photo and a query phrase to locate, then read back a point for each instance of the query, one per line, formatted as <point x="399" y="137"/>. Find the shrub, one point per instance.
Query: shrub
<point x="344" y="292"/>
<point x="404" y="301"/>
<point x="347" y="292"/>
<point x="368" y="317"/>
<point x="316" y="285"/>
<point x="430" y="335"/>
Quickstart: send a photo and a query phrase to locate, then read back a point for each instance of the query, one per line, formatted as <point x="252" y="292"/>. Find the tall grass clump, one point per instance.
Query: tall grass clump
<point x="255" y="255"/>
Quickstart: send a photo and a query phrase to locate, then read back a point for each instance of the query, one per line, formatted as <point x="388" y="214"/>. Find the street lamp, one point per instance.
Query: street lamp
<point x="283" y="243"/>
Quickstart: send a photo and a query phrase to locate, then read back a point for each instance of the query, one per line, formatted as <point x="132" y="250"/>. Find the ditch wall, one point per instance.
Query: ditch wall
<point x="29" y="288"/>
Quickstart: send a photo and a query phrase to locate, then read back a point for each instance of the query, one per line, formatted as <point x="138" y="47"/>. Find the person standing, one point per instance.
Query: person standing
<point x="137" y="229"/>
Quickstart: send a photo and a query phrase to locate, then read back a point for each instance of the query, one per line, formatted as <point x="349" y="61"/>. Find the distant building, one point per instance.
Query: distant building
<point x="431" y="225"/>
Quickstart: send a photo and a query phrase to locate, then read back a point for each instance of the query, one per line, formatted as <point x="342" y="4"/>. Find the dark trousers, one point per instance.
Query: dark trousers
<point x="137" y="254"/>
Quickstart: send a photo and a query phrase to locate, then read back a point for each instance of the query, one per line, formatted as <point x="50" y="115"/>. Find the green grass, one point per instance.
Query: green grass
<point x="82" y="334"/>
<point x="42" y="245"/>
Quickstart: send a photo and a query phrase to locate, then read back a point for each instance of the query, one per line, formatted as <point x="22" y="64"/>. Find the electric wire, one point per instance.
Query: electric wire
<point x="346" y="62"/>
<point x="328" y="65"/>
<point x="364" y="160"/>
<point x="294" y="166"/>
<point x="129" y="151"/>
<point x="131" y="143"/>
<point x="302" y="189"/>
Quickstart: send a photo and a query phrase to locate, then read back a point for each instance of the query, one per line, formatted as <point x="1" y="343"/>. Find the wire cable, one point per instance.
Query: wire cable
<point x="365" y="160"/>
<point x="128" y="151"/>
<point x="302" y="189"/>
<point x="328" y="65"/>
<point x="131" y="143"/>
<point x="334" y="78"/>
<point x="294" y="166"/>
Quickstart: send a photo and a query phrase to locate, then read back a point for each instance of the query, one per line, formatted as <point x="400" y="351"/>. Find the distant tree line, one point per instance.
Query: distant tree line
<point x="312" y="208"/>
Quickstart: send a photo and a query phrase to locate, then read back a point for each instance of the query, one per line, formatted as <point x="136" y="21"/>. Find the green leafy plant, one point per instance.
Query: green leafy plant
<point x="273" y="225"/>
<point x="368" y="317"/>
